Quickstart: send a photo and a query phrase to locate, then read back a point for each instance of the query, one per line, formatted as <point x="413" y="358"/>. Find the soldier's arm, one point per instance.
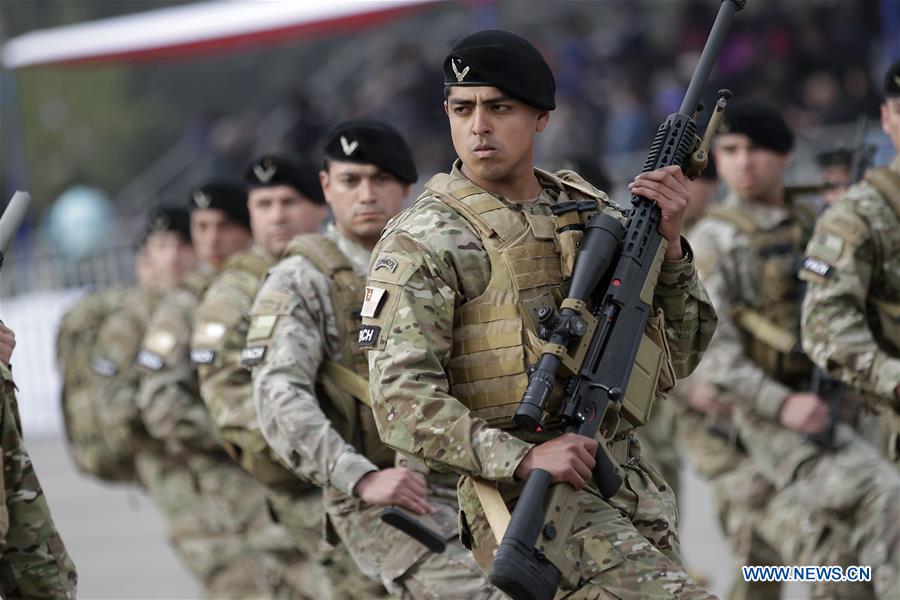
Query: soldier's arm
<point x="220" y="331"/>
<point x="725" y="364"/>
<point x="115" y="380"/>
<point x="33" y="560"/>
<point x="836" y="334"/>
<point x="169" y="393"/>
<point x="410" y="339"/>
<point x="288" y="331"/>
<point x="689" y="314"/>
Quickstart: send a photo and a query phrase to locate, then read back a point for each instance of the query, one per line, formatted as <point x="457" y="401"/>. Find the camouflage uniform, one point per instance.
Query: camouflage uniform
<point x="428" y="341"/>
<point x="330" y="440"/>
<point x="219" y="337"/>
<point x="221" y="524"/>
<point x="747" y="256"/>
<point x="33" y="560"/>
<point x="851" y="313"/>
<point x="85" y="412"/>
<point x="658" y="444"/>
<point x="165" y="477"/>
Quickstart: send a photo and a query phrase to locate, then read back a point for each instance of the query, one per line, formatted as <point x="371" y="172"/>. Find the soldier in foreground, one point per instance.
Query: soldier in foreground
<point x="309" y="377"/>
<point x="33" y="559"/>
<point x="284" y="199"/>
<point x="219" y="520"/>
<point x="449" y="344"/>
<point x="814" y="505"/>
<point x="851" y="312"/>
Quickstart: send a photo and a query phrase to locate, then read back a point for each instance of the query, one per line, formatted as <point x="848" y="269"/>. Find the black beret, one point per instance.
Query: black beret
<point x="176" y="220"/>
<point x="503" y="60"/>
<point x="892" y="81"/>
<point x="230" y="198"/>
<point x="760" y="122"/>
<point x="271" y="170"/>
<point x="837" y="157"/>
<point x="371" y="142"/>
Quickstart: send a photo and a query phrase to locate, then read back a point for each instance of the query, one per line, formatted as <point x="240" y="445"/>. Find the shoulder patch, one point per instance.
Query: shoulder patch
<point x="392" y="268"/>
<point x="272" y="303"/>
<point x="104" y="367"/>
<point x="368" y="335"/>
<point x="843" y="223"/>
<point x="816" y="266"/>
<point x="261" y="327"/>
<point x="373" y="299"/>
<point x="826" y="246"/>
<point x="385" y="261"/>
<point x="150" y="360"/>
<point x="252" y="355"/>
<point x="202" y="356"/>
<point x="209" y="333"/>
<point x="160" y="342"/>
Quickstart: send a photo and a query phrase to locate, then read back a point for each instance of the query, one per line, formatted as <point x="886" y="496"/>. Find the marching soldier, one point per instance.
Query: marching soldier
<point x="33" y="559"/>
<point x="851" y="312"/>
<point x="284" y="199"/>
<point x="97" y="345"/>
<point x="309" y="377"/>
<point x="219" y="520"/>
<point x="449" y="348"/>
<point x="835" y="506"/>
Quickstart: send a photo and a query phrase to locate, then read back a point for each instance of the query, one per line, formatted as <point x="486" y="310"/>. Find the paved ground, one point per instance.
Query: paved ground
<point x="117" y="540"/>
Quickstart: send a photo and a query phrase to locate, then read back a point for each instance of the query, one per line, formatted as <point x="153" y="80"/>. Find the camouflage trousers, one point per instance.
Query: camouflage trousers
<point x="627" y="546"/>
<point x="889" y="434"/>
<point x="328" y="571"/>
<point x="740" y="492"/>
<point x="220" y="526"/>
<point x="406" y="568"/>
<point x="658" y="440"/>
<point x="839" y="507"/>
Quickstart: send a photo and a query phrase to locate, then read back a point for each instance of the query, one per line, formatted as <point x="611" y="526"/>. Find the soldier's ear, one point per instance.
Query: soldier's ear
<point x="542" y="120"/>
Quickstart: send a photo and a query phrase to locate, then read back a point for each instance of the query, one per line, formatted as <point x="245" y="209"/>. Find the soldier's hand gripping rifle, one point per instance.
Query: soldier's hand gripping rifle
<point x="596" y="336"/>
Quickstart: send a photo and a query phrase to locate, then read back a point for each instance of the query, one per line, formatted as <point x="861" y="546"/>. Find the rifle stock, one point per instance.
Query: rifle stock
<point x="531" y="559"/>
<point x="11" y="220"/>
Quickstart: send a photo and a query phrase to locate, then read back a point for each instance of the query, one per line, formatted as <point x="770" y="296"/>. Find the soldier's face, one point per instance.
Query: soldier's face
<point x="493" y="134"/>
<point x="167" y="259"/>
<point x="890" y="120"/>
<point x="363" y="198"/>
<point x="216" y="237"/>
<point x="278" y="213"/>
<point x="835" y="178"/>
<point x="752" y="172"/>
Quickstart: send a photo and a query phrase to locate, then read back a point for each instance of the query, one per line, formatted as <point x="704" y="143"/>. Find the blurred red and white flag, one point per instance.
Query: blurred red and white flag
<point x="202" y="27"/>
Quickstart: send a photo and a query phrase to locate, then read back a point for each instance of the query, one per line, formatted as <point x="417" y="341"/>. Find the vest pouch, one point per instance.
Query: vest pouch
<point x="651" y="375"/>
<point x="889" y="321"/>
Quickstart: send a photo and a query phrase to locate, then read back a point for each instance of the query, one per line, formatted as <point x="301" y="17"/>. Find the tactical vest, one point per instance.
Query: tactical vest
<point x="884" y="306"/>
<point x="247" y="448"/>
<point x="770" y="324"/>
<point x="342" y="385"/>
<point x="531" y="258"/>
